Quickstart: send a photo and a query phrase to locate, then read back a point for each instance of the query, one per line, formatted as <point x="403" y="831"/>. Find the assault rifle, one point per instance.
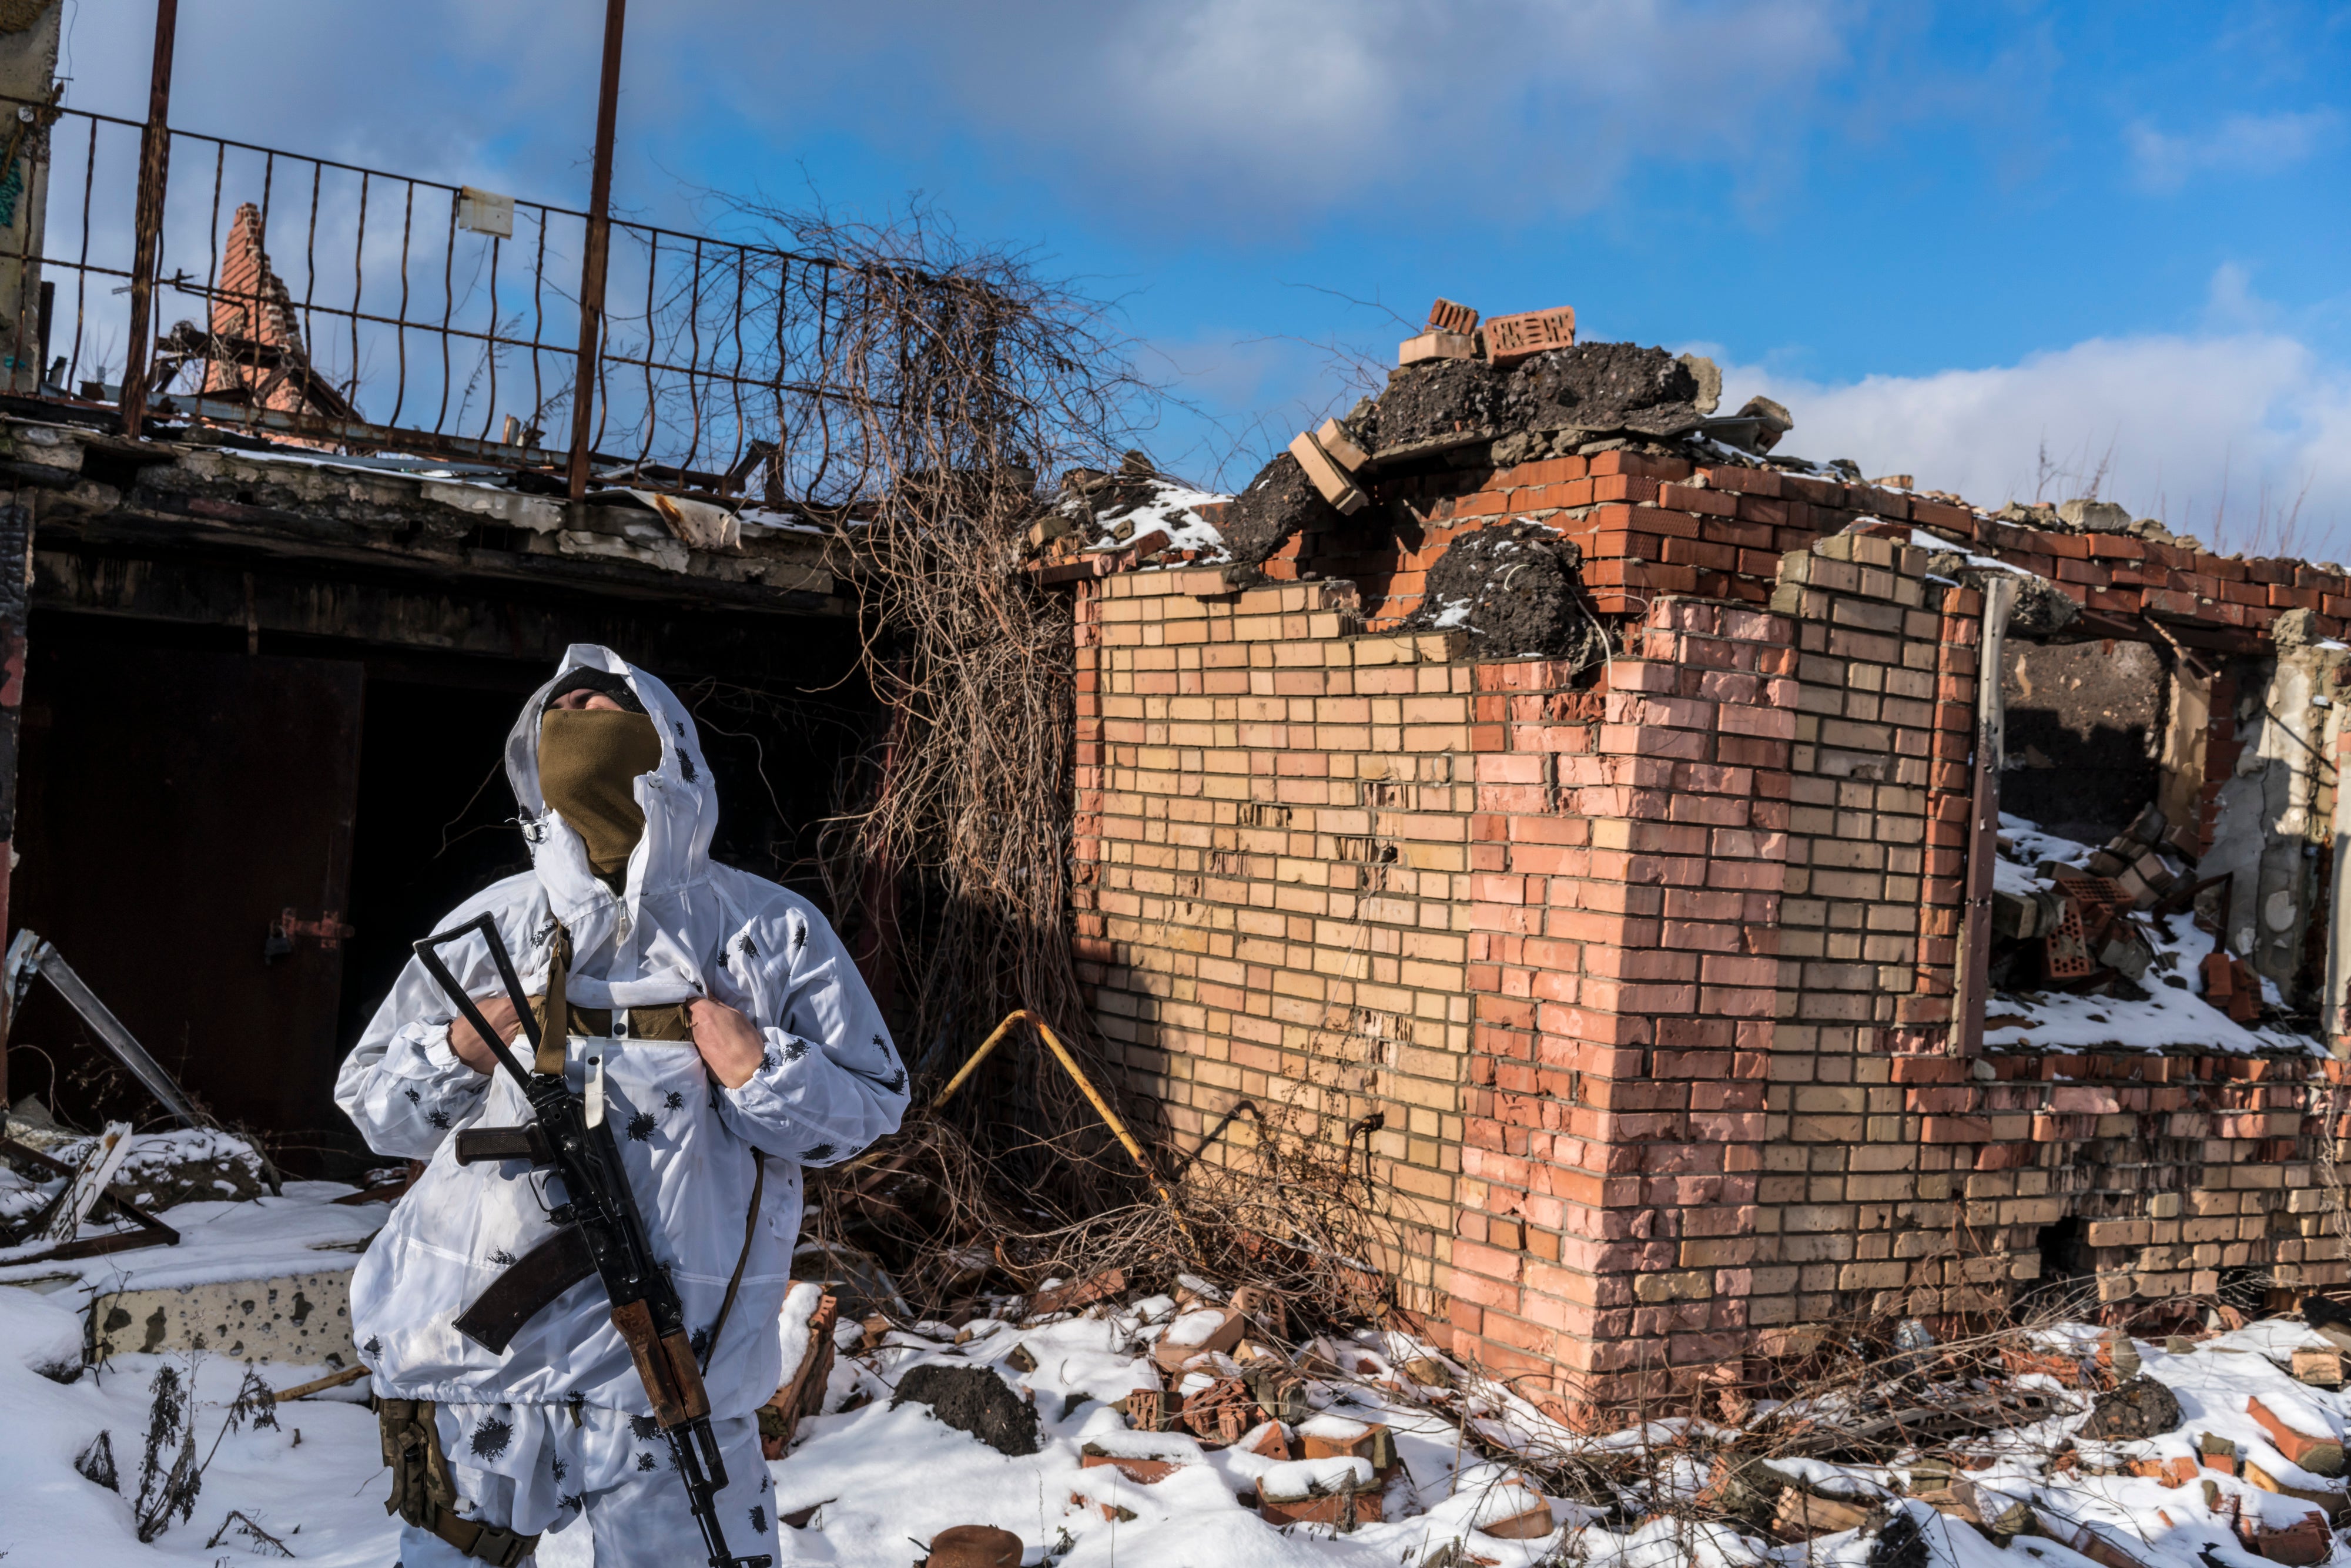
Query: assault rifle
<point x="598" y="1232"/>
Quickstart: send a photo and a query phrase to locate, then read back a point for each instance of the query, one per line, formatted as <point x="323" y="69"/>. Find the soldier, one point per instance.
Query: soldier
<point x="737" y="1043"/>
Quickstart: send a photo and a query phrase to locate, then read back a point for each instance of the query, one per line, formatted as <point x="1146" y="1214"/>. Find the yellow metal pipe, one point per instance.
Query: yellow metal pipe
<point x="971" y="1063"/>
<point x="1085" y="1086"/>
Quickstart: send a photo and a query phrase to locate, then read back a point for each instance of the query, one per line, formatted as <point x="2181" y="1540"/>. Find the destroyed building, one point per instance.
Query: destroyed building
<point x="1710" y="893"/>
<point x="1724" y="895"/>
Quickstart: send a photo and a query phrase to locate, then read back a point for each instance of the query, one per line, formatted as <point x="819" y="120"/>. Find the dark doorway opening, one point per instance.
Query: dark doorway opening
<point x="176" y="797"/>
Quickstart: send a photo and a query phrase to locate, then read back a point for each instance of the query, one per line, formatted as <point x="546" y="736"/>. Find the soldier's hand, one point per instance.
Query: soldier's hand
<point x="470" y="1048"/>
<point x="730" y="1044"/>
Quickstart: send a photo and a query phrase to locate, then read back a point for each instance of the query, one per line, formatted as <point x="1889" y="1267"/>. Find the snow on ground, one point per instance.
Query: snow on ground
<point x="2173" y="1013"/>
<point x="302" y="1232"/>
<point x="882" y="1478"/>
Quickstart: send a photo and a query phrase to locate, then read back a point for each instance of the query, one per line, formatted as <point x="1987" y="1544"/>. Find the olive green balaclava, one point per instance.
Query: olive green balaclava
<point x="588" y="760"/>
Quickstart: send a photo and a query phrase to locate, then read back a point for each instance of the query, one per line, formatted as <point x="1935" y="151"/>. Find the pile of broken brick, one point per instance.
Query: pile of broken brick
<point x="2082" y="931"/>
<point x="1516" y="389"/>
<point x="1229" y="1379"/>
<point x="1465" y="394"/>
<point x="2277" y="1484"/>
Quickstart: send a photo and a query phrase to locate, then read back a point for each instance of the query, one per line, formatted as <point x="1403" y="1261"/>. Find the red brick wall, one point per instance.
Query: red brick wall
<point x="1648" y="968"/>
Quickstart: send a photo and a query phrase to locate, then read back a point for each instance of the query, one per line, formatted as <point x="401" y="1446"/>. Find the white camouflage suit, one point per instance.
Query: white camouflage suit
<point x="559" y="1423"/>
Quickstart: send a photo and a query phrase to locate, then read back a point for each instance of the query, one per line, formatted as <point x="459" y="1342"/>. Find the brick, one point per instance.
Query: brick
<point x="1510" y="339"/>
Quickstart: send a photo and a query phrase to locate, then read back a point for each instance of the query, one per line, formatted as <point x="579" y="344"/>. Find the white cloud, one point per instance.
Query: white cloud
<point x="1219" y="107"/>
<point x="2222" y="436"/>
<point x="1300" y="103"/>
<point x="2239" y="145"/>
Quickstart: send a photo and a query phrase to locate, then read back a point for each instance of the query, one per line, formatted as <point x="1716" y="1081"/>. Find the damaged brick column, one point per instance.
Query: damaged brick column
<point x="1609" y="1244"/>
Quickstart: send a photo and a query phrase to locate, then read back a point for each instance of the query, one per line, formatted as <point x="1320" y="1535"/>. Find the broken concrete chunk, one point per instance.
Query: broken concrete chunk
<point x="2296" y="628"/>
<point x="2041" y="607"/>
<point x="1516" y="590"/>
<point x="1510" y="339"/>
<point x="1708" y="376"/>
<point x="2002" y="1516"/>
<point x="1772" y="421"/>
<point x="1281" y="501"/>
<point x="1436" y="405"/>
<point x="1427" y="1372"/>
<point x="1602" y="387"/>
<point x="2140" y="1407"/>
<point x="1333" y="485"/>
<point x="1278" y="1392"/>
<point x="2019" y="915"/>
<point x="972" y="1399"/>
<point x="2094" y="516"/>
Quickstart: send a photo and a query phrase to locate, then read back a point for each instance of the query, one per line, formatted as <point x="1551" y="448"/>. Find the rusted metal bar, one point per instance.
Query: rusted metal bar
<point x="694" y="357"/>
<point x="597" y="250"/>
<point x="652" y="271"/>
<point x="1974" y="978"/>
<point x="154" y="161"/>
<point x="400" y="334"/>
<point x="82" y="275"/>
<point x="16" y="605"/>
<point x="538" y="322"/>
<point x="448" y="308"/>
<point x="490" y="346"/>
<point x="359" y="281"/>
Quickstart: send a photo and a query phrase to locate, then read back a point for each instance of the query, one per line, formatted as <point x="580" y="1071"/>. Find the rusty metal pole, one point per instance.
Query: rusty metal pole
<point x="154" y="160"/>
<point x="16" y="603"/>
<point x="598" y="251"/>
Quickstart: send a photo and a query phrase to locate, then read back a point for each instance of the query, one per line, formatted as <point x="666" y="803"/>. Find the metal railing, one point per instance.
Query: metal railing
<point x="415" y="316"/>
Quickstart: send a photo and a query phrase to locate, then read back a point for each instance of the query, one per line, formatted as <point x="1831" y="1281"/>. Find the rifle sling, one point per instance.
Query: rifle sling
<point x="555" y="1019"/>
<point x="735" y="1281"/>
<point x="526" y="1287"/>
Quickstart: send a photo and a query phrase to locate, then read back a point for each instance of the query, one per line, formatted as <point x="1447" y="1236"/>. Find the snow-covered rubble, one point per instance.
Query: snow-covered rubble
<point x="2167" y="1008"/>
<point x="1380" y="1415"/>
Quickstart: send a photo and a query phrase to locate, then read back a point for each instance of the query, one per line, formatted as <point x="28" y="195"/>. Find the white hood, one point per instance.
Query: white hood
<point x="633" y="950"/>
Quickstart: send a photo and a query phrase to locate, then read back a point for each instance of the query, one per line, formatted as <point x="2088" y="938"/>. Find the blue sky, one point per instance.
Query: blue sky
<point x="2004" y="246"/>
